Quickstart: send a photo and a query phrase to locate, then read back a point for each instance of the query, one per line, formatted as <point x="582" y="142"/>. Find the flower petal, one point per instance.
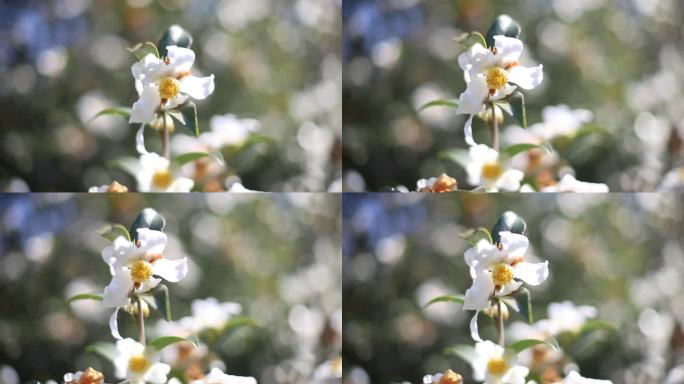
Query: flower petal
<point x="145" y="109"/>
<point x="477" y="296"/>
<point x="531" y="273"/>
<point x="510" y="180"/>
<point x="514" y="245"/>
<point x="140" y="140"/>
<point x="526" y="78"/>
<point x="474" y="332"/>
<point x="181" y="184"/>
<point x="508" y="49"/>
<point x="152" y="243"/>
<point x="468" y="131"/>
<point x="515" y="375"/>
<point x="116" y="293"/>
<point x="114" y="325"/>
<point x="116" y="254"/>
<point x="197" y="87"/>
<point x="157" y="373"/>
<point x="180" y="59"/>
<point x="170" y="270"/>
<point x="474" y="59"/>
<point x="471" y="101"/>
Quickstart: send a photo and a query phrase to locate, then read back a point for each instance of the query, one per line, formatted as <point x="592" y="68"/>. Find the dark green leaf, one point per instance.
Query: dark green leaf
<point x="593" y="325"/>
<point x="104" y="349"/>
<point x="517" y="103"/>
<point x="124" y="112"/>
<point x="187" y="117"/>
<point x="85" y="296"/>
<point x="439" y="103"/>
<point x="188" y="157"/>
<point x="509" y="221"/>
<point x="473" y="236"/>
<point x="143" y="49"/>
<point x="503" y="25"/>
<point x="111" y="232"/>
<point x="468" y="39"/>
<point x="519" y="148"/>
<point x="446" y="299"/>
<point x="459" y="156"/>
<point x="465" y="352"/>
<point x="522" y="345"/>
<point x="162" y="302"/>
<point x="162" y="342"/>
<point x="523" y="298"/>
<point x="511" y="303"/>
<point x="148" y="218"/>
<point x="177" y="36"/>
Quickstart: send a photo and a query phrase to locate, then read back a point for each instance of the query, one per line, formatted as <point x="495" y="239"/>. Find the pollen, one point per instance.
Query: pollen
<point x="138" y="363"/>
<point x="491" y="171"/>
<point x="502" y="274"/>
<point x="141" y="271"/>
<point x="162" y="179"/>
<point x="497" y="366"/>
<point x="169" y="88"/>
<point x="451" y="377"/>
<point x="91" y="376"/>
<point x="497" y="78"/>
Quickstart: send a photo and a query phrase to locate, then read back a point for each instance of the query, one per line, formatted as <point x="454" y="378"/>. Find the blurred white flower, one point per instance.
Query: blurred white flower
<point x="89" y="376"/>
<point x="485" y="169"/>
<point x="138" y="364"/>
<point x="210" y="313"/>
<point x="225" y="131"/>
<point x="560" y="120"/>
<point x="216" y="376"/>
<point x="448" y="377"/>
<point x="568" y="183"/>
<point x="154" y="175"/>
<point x="492" y="365"/>
<point x="440" y="184"/>
<point x="239" y="188"/>
<point x="328" y="371"/>
<point x="673" y="180"/>
<point x="491" y="74"/>
<point x="566" y="317"/>
<point x="575" y="378"/>
<point x="166" y="83"/>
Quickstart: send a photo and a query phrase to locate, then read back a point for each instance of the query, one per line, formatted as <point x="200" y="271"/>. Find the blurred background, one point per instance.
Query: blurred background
<point x="620" y="59"/>
<point x="621" y="253"/>
<point x="63" y="61"/>
<point x="276" y="255"/>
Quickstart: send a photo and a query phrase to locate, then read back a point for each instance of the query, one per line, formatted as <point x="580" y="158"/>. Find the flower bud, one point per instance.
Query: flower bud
<point x="486" y="115"/>
<point x="115" y="187"/>
<point x="132" y="308"/>
<point x="450" y="377"/>
<point x="158" y="123"/>
<point x="493" y="311"/>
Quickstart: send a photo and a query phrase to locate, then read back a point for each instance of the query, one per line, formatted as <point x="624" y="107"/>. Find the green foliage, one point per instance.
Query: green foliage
<point x="517" y="102"/>
<point x="189" y="157"/>
<point x="86" y="296"/>
<point x="473" y="236"/>
<point x="522" y="345"/>
<point x="148" y="218"/>
<point x="523" y="299"/>
<point x="460" y="299"/>
<point x="468" y="39"/>
<point x="162" y="302"/>
<point x="439" y="103"/>
<point x="111" y="232"/>
<point x="459" y="156"/>
<point x="104" y="349"/>
<point x="143" y="49"/>
<point x="463" y="351"/>
<point x="124" y="112"/>
<point x="524" y="147"/>
<point x="164" y="341"/>
<point x="187" y="117"/>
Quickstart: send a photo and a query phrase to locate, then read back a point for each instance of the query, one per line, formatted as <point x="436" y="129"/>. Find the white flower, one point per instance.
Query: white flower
<point x="673" y="180"/>
<point x="440" y="184"/>
<point x="138" y="364"/>
<point x="490" y="75"/>
<point x="209" y="313"/>
<point x="575" y="378"/>
<point x="568" y="183"/>
<point x="237" y="187"/>
<point x="155" y="175"/>
<point x="89" y="376"/>
<point x="225" y="131"/>
<point x="216" y="376"/>
<point x="560" y="120"/>
<point x="165" y="83"/>
<point x="492" y="365"/>
<point x="566" y="317"/>
<point x="486" y="169"/>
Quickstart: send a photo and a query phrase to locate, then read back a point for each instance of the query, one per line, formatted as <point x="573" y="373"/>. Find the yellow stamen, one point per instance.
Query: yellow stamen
<point x="497" y="78"/>
<point x="497" y="366"/>
<point x="138" y="363"/>
<point x="162" y="178"/>
<point x="491" y="171"/>
<point x="141" y="271"/>
<point x="169" y="88"/>
<point x="502" y="274"/>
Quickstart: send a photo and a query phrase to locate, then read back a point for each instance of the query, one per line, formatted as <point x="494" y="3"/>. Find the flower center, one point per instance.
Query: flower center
<point x="491" y="171"/>
<point x="169" y="88"/>
<point x="502" y="274"/>
<point x="162" y="178"/>
<point x="141" y="271"/>
<point x="91" y="376"/>
<point x="497" y="78"/>
<point x="138" y="363"/>
<point x="497" y="366"/>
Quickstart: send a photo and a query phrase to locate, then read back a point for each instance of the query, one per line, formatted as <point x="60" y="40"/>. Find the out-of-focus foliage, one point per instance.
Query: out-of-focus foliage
<point x="621" y="253"/>
<point x="63" y="61"/>
<point x="276" y="255"/>
<point x="619" y="59"/>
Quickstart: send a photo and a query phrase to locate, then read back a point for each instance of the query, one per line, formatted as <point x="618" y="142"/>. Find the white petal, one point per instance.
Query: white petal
<point x="116" y="293"/>
<point x="170" y="270"/>
<point x="526" y="78"/>
<point x="180" y="59"/>
<point x="474" y="332"/>
<point x="145" y="109"/>
<point x="140" y="140"/>
<point x="509" y="288"/>
<point x="531" y="273"/>
<point x="157" y="373"/>
<point x="516" y="375"/>
<point x="114" y="325"/>
<point x="471" y="101"/>
<point x="477" y="296"/>
<point x="117" y="254"/>
<point x="510" y="180"/>
<point x="503" y="92"/>
<point x="181" y="184"/>
<point x="484" y="351"/>
<point x="147" y="70"/>
<point x="197" y="87"/>
<point x="575" y="378"/>
<point x="176" y="101"/>
<point x="468" y="131"/>
<point x="514" y="245"/>
<point x="508" y="49"/>
<point x="152" y="243"/>
<point x="124" y="350"/>
<point x="474" y="59"/>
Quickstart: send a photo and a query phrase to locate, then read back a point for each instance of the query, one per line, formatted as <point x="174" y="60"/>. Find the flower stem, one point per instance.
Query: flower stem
<point x="500" y="323"/>
<point x="494" y="124"/>
<point x="141" y="321"/>
<point x="166" y="150"/>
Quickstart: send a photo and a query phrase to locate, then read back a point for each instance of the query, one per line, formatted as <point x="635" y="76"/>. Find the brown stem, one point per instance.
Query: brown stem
<point x="141" y="322"/>
<point x="500" y="323"/>
<point x="166" y="150"/>
<point x="494" y="124"/>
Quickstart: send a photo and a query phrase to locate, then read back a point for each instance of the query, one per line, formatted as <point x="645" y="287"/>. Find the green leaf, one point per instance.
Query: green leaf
<point x="459" y="156"/>
<point x="519" y="148"/>
<point x="162" y="302"/>
<point x="162" y="342"/>
<point x="239" y="322"/>
<point x="503" y="25"/>
<point x="188" y="157"/>
<point x="468" y="39"/>
<point x="517" y="103"/>
<point x="509" y="221"/>
<point x="594" y="325"/>
<point x="148" y="218"/>
<point x="104" y="349"/>
<point x="85" y="296"/>
<point x="187" y="117"/>
<point x="124" y="112"/>
<point x="175" y="35"/>
<point x="465" y="352"/>
<point x="111" y="232"/>
<point x="128" y="164"/>
<point x="523" y="299"/>
<point x="473" y="236"/>
<point x="439" y="103"/>
<point x="143" y="49"/>
<point x="511" y="303"/>
<point x="446" y="299"/>
<point x="522" y="345"/>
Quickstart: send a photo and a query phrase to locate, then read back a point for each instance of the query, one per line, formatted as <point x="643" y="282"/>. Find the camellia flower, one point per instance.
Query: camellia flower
<point x="138" y="364"/>
<point x="89" y="376"/>
<point x="486" y="169"/>
<point x="166" y="83"/>
<point x="155" y="175"/>
<point x="440" y="184"/>
<point x="492" y="75"/>
<point x="448" y="377"/>
<point x="114" y="187"/>
<point x="216" y="376"/>
<point x="492" y="365"/>
<point x="568" y="183"/>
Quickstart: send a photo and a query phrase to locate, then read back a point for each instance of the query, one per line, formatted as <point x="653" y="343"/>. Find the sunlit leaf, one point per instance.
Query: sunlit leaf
<point x="439" y="103"/>
<point x="85" y="296"/>
<point x="446" y="299"/>
<point x="516" y="149"/>
<point x="130" y="165"/>
<point x="468" y="39"/>
<point x="112" y="231"/>
<point x="187" y="117"/>
<point x="522" y="345"/>
<point x="473" y="236"/>
<point x="124" y="112"/>
<point x="143" y="49"/>
<point x="188" y="157"/>
<point x="594" y="325"/>
<point x="164" y="341"/>
<point x="523" y="298"/>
